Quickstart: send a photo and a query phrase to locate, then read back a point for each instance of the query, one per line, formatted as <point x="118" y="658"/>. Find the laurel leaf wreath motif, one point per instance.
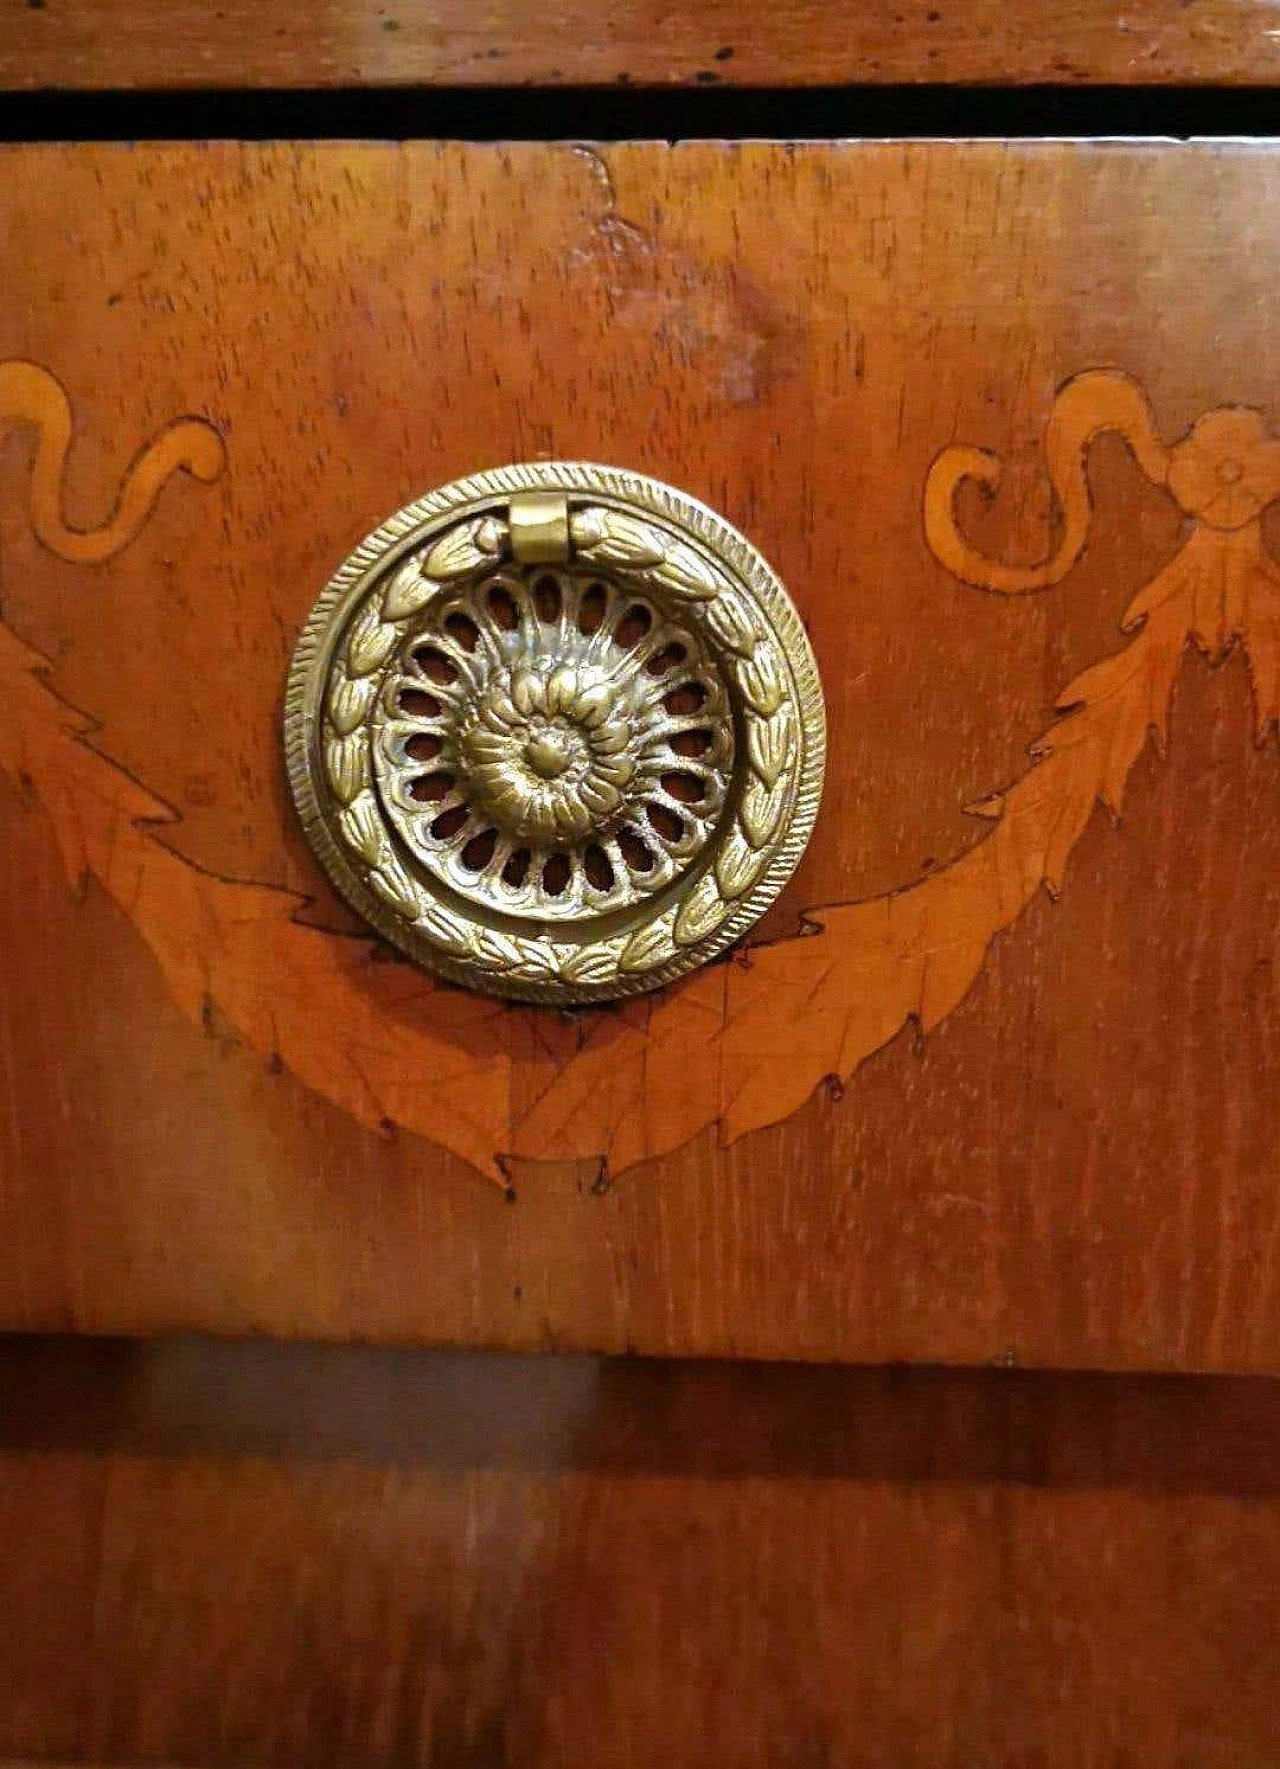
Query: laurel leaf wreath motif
<point x="647" y="556"/>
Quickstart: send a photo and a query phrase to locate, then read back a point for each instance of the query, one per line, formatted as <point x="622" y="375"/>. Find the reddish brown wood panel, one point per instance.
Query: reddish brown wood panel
<point x="105" y="43"/>
<point x="289" y="1557"/>
<point x="1052" y="1130"/>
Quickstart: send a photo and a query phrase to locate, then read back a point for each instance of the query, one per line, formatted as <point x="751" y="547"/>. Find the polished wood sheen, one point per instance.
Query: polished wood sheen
<point x="106" y="43"/>
<point x="283" y="1556"/>
<point x="1001" y="1087"/>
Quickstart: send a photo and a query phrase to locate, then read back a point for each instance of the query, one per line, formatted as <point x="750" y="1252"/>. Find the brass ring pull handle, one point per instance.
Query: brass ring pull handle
<point x="557" y="732"/>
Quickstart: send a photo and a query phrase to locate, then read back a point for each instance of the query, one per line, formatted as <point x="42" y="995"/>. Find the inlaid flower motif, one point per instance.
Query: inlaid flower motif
<point x="1227" y="470"/>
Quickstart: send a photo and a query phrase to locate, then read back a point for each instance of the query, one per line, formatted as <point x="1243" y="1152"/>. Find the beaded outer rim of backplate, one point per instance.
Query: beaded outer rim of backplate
<point x="662" y="542"/>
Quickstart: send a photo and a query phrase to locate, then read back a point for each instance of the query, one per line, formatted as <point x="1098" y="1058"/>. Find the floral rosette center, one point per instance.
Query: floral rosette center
<point x="557" y="744"/>
<point x="547" y="752"/>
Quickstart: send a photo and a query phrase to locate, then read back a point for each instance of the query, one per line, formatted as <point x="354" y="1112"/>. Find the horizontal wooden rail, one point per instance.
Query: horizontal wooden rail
<point x="185" y="43"/>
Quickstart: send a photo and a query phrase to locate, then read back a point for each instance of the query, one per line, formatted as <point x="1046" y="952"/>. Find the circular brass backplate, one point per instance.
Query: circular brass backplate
<point x="557" y="732"/>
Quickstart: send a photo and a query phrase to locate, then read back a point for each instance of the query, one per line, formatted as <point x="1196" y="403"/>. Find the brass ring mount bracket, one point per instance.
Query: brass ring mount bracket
<point x="556" y="731"/>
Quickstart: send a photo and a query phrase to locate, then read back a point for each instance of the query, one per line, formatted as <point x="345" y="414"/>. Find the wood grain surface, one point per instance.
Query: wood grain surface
<point x="123" y="43"/>
<point x="1064" y="1154"/>
<point x="271" y="1555"/>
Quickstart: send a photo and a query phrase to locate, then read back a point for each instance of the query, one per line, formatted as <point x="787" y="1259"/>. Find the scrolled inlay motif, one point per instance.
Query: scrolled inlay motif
<point x="557" y="779"/>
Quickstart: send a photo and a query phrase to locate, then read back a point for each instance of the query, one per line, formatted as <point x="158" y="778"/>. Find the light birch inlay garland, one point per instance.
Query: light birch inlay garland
<point x="560" y="771"/>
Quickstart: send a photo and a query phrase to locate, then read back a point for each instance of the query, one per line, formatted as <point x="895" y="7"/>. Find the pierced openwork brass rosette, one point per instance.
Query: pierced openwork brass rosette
<point x="556" y="731"/>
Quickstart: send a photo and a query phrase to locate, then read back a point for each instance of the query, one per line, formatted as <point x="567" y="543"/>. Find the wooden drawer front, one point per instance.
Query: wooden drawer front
<point x="998" y="1085"/>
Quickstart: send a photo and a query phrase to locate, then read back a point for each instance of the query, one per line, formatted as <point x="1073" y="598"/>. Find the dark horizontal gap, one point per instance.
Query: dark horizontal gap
<point x="194" y="1398"/>
<point x="624" y="112"/>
